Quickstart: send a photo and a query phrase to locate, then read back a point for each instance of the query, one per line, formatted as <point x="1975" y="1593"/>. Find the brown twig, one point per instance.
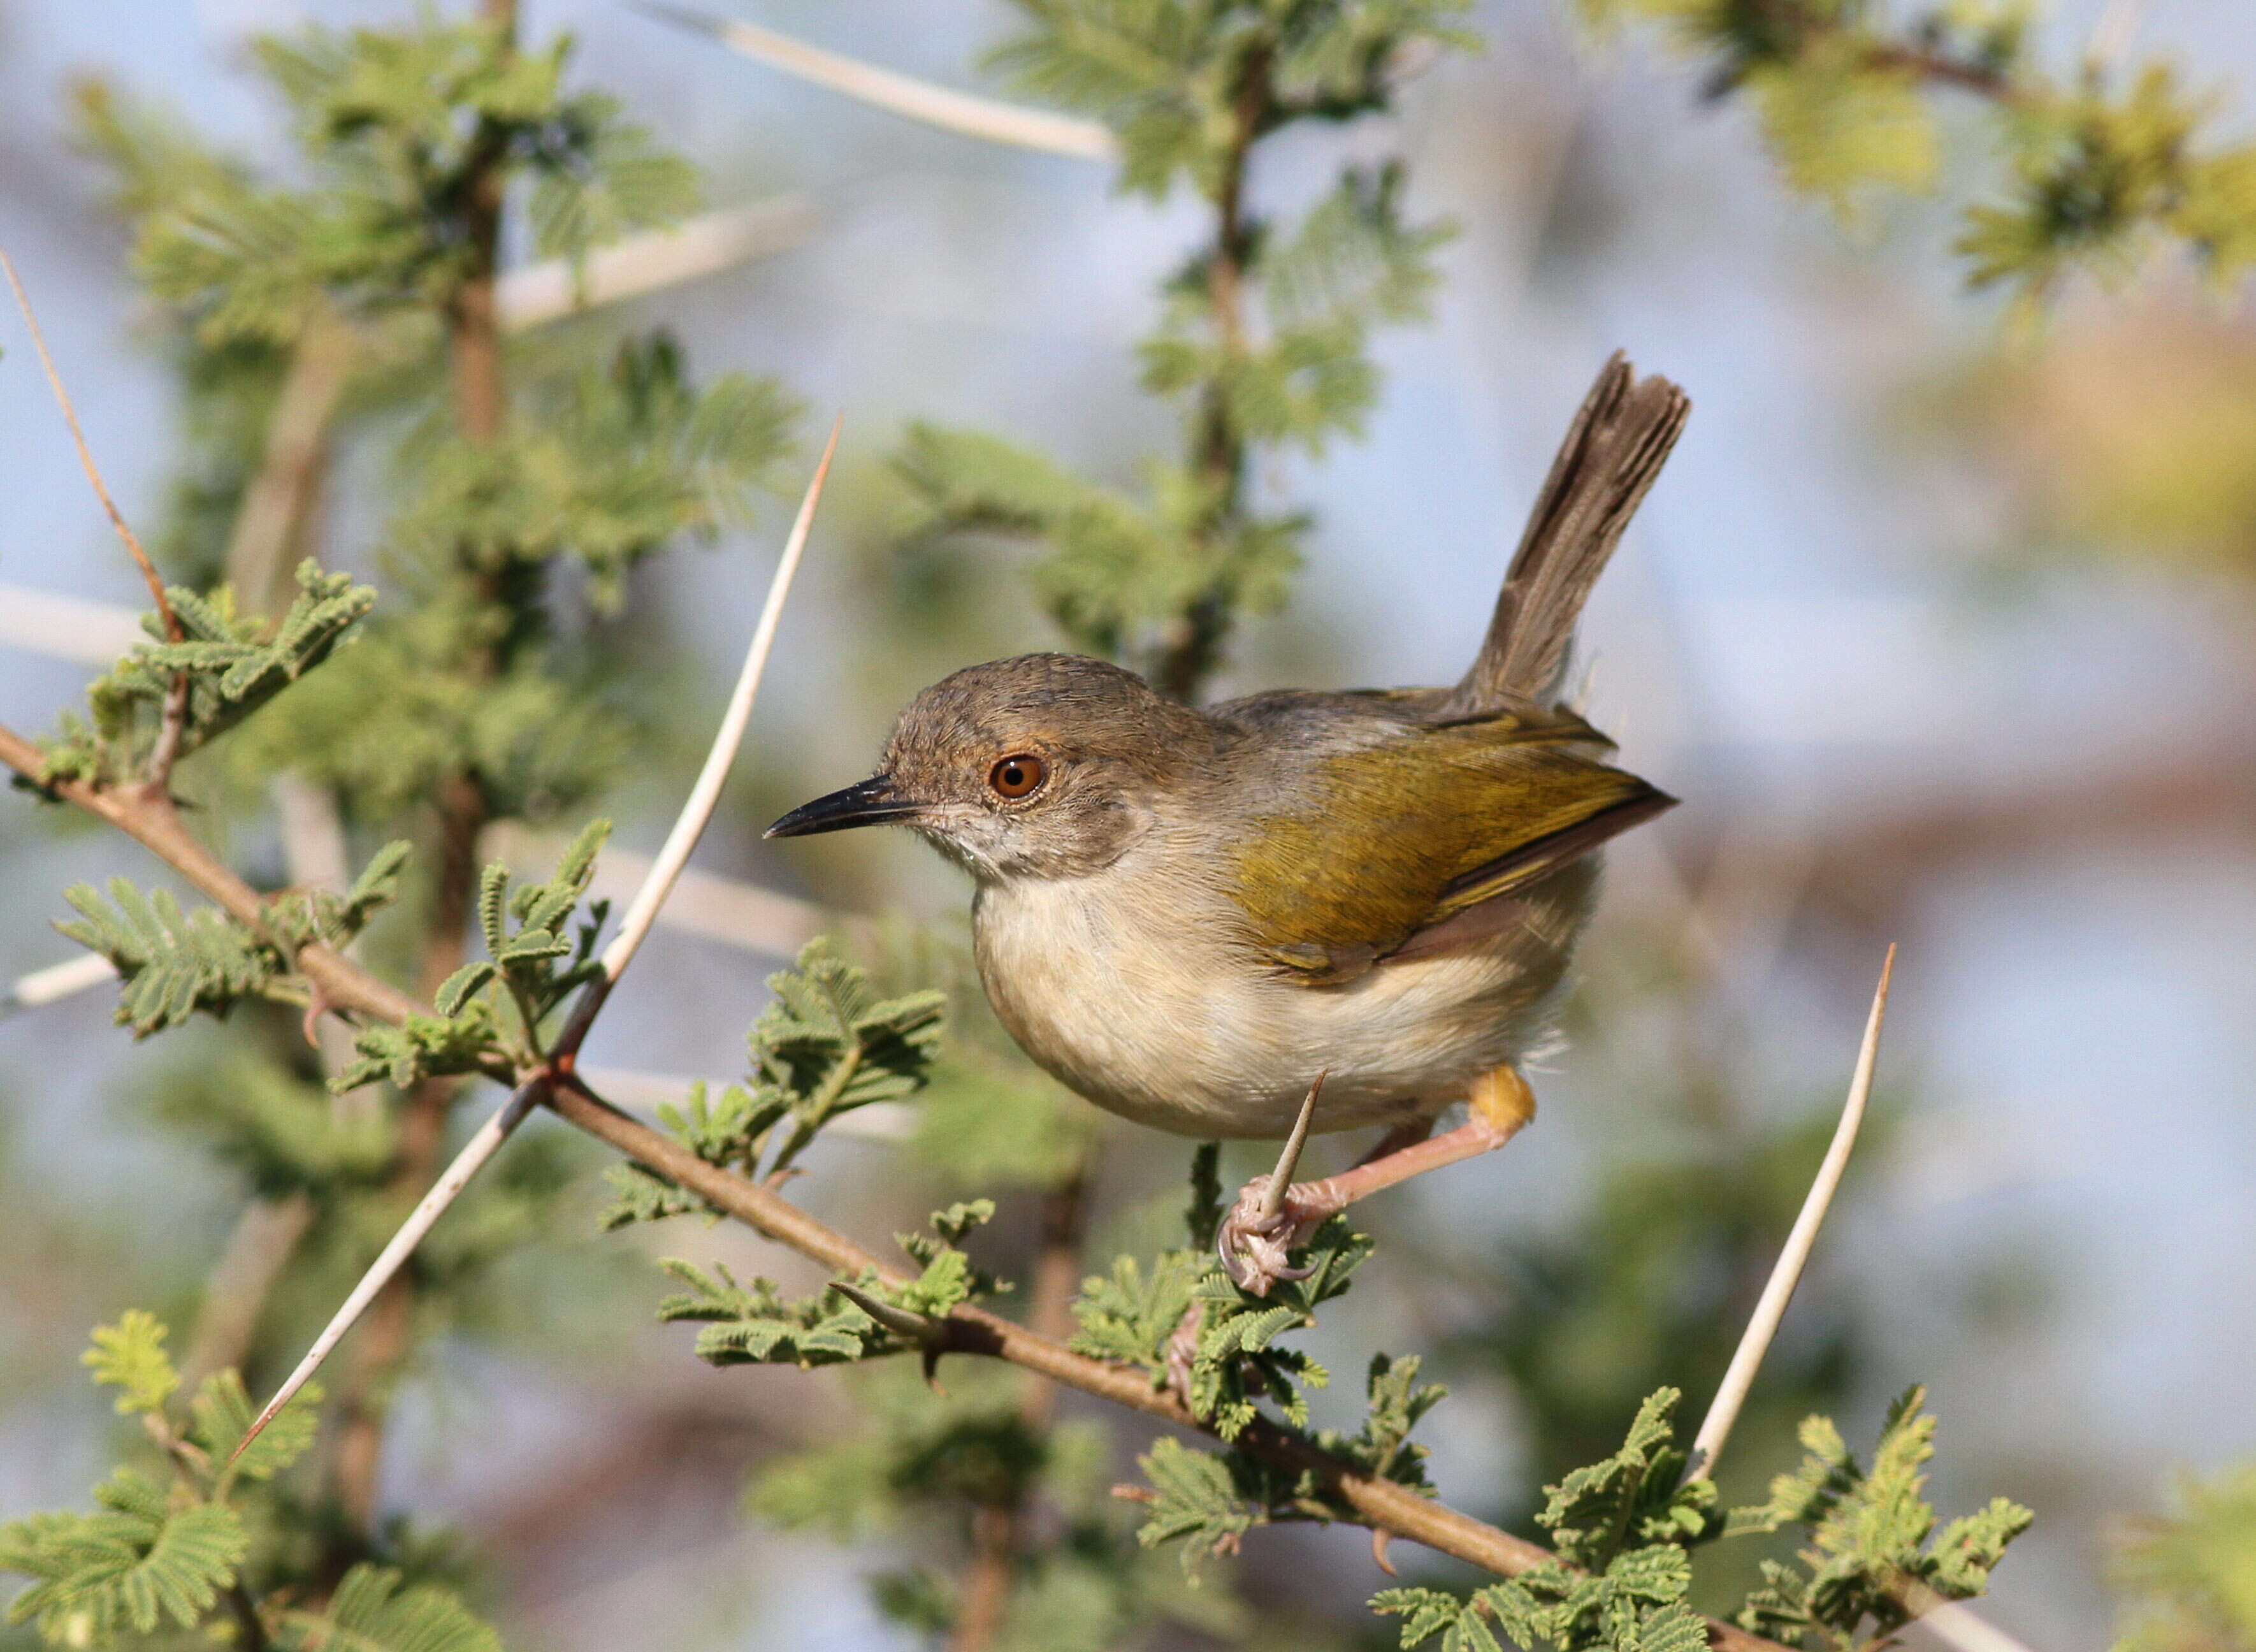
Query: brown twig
<point x="969" y="1331"/>
<point x="173" y="727"/>
<point x="171" y="621"/>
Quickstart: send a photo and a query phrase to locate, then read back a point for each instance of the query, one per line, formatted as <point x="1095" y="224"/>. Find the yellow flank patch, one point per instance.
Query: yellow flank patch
<point x="1388" y="832"/>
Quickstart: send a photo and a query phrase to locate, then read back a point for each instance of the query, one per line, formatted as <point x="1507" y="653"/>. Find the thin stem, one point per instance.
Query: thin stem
<point x="172" y="728"/>
<point x="171" y="621"/>
<point x="1379" y="1503"/>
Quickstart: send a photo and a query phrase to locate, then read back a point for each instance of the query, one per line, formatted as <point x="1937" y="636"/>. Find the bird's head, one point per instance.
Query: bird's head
<point x="1044" y="765"/>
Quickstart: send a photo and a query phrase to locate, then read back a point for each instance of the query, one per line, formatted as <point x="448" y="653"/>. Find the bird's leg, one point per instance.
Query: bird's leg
<point x="1263" y="1228"/>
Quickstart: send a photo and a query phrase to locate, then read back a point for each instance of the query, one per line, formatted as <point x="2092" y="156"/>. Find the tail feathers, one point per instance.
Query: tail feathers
<point x="1613" y="451"/>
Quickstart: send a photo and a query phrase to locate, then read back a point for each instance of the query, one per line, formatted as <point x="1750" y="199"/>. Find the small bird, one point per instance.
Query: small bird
<point x="1305" y="909"/>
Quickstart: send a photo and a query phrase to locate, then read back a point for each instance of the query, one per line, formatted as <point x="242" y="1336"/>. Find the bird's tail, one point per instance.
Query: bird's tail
<point x="1615" y="448"/>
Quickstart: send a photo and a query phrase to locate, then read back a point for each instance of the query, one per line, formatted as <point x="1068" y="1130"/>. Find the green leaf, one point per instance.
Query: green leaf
<point x="171" y="963"/>
<point x="224" y="1414"/>
<point x="1130" y="1315"/>
<point x="1868" y="1532"/>
<point x="1197" y="1502"/>
<point x="370" y="1612"/>
<point x="131" y="1355"/>
<point x="1462" y="1625"/>
<point x="755" y="1325"/>
<point x="136" y="1565"/>
<point x="828" y="1044"/>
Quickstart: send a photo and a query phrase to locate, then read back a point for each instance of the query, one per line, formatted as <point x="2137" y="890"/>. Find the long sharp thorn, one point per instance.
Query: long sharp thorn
<point x="941" y="106"/>
<point x="480" y="1148"/>
<point x="1272" y="1201"/>
<point x="665" y="870"/>
<point x="903" y="1321"/>
<point x="705" y="795"/>
<point x="1770" y="1308"/>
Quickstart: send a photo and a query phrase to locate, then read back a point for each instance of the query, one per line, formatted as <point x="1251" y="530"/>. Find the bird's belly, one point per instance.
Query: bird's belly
<point x="1174" y="1029"/>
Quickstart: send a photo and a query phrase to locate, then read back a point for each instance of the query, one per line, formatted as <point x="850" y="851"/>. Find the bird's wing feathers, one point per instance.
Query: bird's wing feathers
<point x="1398" y="836"/>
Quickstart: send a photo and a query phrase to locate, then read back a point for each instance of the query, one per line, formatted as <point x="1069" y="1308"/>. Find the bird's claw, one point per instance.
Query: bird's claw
<point x="1256" y="1245"/>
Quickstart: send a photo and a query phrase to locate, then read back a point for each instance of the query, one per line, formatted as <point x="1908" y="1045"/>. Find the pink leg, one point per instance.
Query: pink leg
<point x="1254" y="1244"/>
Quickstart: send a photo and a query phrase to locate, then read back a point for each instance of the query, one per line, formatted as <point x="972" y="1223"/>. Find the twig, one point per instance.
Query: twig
<point x="86" y="454"/>
<point x="1778" y="1291"/>
<point x="1404" y="1512"/>
<point x="156" y="825"/>
<point x="173" y="727"/>
<point x="941" y="106"/>
<point x="472" y="1159"/>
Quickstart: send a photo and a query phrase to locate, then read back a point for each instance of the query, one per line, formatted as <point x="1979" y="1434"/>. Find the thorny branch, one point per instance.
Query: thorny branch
<point x="348" y="987"/>
<point x="175" y="722"/>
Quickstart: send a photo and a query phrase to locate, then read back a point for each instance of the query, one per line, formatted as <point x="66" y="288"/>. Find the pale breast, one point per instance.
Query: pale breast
<point x="1148" y="1007"/>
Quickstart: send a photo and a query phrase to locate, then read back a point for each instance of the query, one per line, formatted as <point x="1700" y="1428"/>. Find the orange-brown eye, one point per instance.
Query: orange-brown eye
<point x="1018" y="774"/>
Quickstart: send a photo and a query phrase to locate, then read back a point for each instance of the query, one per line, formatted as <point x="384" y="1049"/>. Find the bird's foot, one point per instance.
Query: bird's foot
<point x="1257" y="1239"/>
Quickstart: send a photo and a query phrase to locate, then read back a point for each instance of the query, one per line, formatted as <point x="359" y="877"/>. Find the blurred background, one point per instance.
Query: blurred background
<point x="1940" y="629"/>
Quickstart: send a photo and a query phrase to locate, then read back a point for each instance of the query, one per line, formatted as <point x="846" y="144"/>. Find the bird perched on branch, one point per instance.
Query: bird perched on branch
<point x="1306" y="910"/>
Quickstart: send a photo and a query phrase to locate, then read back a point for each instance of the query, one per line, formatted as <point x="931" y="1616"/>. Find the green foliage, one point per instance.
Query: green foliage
<point x="1262" y="330"/>
<point x="1868" y="1534"/>
<point x="1620" y="1530"/>
<point x="370" y="1612"/>
<point x="2105" y="169"/>
<point x="1187" y="82"/>
<point x="604" y="464"/>
<point x="1634" y="1494"/>
<point x="158" y="1554"/>
<point x="1623" y="1531"/>
<point x="1205" y="1500"/>
<point x="1237" y="1362"/>
<point x="231" y="665"/>
<point x="1139" y="1317"/>
<point x="531" y="966"/>
<point x="171" y="963"/>
<point x="393" y="126"/>
<point x="130" y="1356"/>
<point x="138" y="1564"/>
<point x="862" y="1319"/>
<point x="2189" y="1577"/>
<point x="827" y="1045"/>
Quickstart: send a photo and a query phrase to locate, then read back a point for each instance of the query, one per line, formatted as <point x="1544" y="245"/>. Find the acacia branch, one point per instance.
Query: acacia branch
<point x="1379" y="1503"/>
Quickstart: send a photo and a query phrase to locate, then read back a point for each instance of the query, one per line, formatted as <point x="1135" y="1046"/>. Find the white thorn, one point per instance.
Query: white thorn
<point x="955" y="111"/>
<point x="706" y="794"/>
<point x="1770" y="1308"/>
<point x="1958" y="1627"/>
<point x="466" y="1164"/>
<point x="1272" y="1202"/>
<point x="534" y="294"/>
<point x="56" y="981"/>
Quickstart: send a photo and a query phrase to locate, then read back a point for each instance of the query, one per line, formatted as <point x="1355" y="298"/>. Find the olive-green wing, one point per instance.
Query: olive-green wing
<point x="1400" y="836"/>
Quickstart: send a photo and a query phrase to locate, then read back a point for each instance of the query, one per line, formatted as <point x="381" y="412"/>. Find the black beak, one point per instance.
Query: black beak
<point x="870" y="802"/>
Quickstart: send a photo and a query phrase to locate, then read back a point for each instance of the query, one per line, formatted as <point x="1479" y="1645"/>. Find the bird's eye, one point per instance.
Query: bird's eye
<point x="1017" y="775"/>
